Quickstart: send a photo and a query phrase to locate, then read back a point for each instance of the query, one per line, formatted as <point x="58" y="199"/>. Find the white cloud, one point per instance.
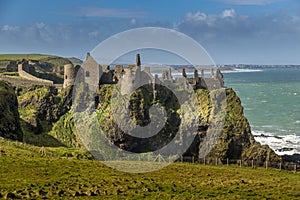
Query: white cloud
<point x="93" y="34"/>
<point x="133" y="21"/>
<point x="198" y="16"/>
<point x="248" y="2"/>
<point x="227" y="35"/>
<point x="8" y="28"/>
<point x="232" y="37"/>
<point x="87" y="11"/>
<point x="228" y="13"/>
<point x="40" y="25"/>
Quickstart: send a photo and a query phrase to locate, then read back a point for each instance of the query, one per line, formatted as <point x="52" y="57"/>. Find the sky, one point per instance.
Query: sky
<point x="231" y="31"/>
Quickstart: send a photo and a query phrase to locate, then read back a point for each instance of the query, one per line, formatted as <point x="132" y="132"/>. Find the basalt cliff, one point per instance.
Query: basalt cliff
<point x="43" y="115"/>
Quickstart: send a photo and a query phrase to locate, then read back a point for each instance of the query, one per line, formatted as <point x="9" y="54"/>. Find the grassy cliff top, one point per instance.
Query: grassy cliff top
<point x="25" y="56"/>
<point x="27" y="172"/>
<point x="55" y="60"/>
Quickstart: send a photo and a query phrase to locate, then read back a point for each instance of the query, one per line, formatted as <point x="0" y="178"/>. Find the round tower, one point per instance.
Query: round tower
<point x="69" y="75"/>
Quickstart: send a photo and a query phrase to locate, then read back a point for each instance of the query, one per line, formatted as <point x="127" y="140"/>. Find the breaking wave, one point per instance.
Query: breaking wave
<point x="281" y="144"/>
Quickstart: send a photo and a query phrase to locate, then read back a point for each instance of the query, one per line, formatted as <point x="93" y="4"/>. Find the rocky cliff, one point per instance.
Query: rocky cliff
<point x="9" y="115"/>
<point x="46" y="112"/>
<point x="234" y="142"/>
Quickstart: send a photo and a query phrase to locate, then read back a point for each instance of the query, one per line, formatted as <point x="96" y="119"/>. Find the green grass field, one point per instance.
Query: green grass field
<point x="25" y="56"/>
<point x="27" y="173"/>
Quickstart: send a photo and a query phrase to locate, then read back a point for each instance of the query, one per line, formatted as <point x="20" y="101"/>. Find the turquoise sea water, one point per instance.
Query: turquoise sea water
<point x="271" y="100"/>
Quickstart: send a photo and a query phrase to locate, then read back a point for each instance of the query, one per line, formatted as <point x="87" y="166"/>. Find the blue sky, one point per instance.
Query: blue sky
<point x="232" y="31"/>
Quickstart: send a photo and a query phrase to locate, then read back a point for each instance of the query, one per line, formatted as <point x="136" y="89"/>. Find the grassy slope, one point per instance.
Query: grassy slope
<point x="24" y="56"/>
<point x="25" y="173"/>
<point x="57" y="61"/>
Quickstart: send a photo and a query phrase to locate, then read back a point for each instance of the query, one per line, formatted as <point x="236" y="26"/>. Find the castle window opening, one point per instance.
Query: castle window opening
<point x="87" y="74"/>
<point x="66" y="77"/>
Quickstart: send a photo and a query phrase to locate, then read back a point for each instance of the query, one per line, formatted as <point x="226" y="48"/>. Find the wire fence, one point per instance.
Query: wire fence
<point x="281" y="165"/>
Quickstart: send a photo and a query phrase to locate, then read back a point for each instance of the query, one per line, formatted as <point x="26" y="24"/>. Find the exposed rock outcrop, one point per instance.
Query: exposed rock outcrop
<point x="9" y="115"/>
<point x="235" y="141"/>
<point x="46" y="110"/>
<point x="40" y="106"/>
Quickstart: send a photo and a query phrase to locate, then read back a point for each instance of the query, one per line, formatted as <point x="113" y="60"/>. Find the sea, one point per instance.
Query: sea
<point x="271" y="101"/>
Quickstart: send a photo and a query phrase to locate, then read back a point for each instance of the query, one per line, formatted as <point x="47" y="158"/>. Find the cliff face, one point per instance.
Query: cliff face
<point x="9" y="115"/>
<point x="40" y="106"/>
<point x="234" y="142"/>
<point x="44" y="111"/>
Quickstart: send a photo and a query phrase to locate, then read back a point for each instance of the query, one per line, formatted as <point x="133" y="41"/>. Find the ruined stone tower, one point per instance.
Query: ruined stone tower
<point x="132" y="77"/>
<point x="69" y="75"/>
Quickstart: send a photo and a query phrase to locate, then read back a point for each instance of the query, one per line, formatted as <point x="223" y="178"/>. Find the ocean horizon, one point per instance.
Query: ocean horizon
<point x="271" y="97"/>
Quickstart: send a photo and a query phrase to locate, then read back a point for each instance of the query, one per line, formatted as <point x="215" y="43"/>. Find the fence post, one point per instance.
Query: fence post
<point x="295" y="168"/>
<point x="181" y="158"/>
<point x="280" y="166"/>
<point x="240" y="163"/>
<point x="227" y="161"/>
<point x="266" y="164"/>
<point x="252" y="163"/>
<point x="204" y="161"/>
<point x="193" y="159"/>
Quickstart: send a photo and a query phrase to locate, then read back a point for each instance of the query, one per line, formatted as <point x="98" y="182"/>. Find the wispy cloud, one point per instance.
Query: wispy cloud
<point x="87" y="11"/>
<point x="262" y="38"/>
<point x="228" y="35"/>
<point x="9" y="28"/>
<point x="248" y="2"/>
<point x="66" y="39"/>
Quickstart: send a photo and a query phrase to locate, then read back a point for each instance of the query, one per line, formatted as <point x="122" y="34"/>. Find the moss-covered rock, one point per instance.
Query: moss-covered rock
<point x="45" y="107"/>
<point x="65" y="131"/>
<point x="9" y="115"/>
<point x="236" y="140"/>
<point x="40" y="106"/>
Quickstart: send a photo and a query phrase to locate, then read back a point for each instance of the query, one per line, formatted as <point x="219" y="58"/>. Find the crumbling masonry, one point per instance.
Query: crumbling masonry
<point x="132" y="77"/>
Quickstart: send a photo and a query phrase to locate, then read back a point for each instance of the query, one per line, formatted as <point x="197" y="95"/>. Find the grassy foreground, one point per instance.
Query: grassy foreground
<point x="38" y="177"/>
<point x="54" y="178"/>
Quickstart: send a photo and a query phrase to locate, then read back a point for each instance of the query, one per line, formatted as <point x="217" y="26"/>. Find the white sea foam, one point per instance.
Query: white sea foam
<point x="242" y="70"/>
<point x="178" y="73"/>
<point x="281" y="144"/>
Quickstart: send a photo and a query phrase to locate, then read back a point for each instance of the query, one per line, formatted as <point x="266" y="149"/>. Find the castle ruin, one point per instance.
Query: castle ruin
<point x="25" y="70"/>
<point x="133" y="77"/>
<point x="130" y="78"/>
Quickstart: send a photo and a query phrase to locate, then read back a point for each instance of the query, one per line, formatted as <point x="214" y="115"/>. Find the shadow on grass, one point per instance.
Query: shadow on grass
<point x="41" y="139"/>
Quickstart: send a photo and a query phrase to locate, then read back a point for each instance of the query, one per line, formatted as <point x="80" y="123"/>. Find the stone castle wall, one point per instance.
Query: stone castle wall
<point x="132" y="77"/>
<point x="22" y="82"/>
<point x="28" y="76"/>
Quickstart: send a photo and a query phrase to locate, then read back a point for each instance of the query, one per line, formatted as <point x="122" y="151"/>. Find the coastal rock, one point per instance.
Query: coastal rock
<point x="235" y="142"/>
<point x="9" y="115"/>
<point x="45" y="104"/>
<point x="40" y="106"/>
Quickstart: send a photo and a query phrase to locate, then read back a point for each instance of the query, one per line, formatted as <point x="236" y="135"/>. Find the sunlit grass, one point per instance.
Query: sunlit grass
<point x="27" y="173"/>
